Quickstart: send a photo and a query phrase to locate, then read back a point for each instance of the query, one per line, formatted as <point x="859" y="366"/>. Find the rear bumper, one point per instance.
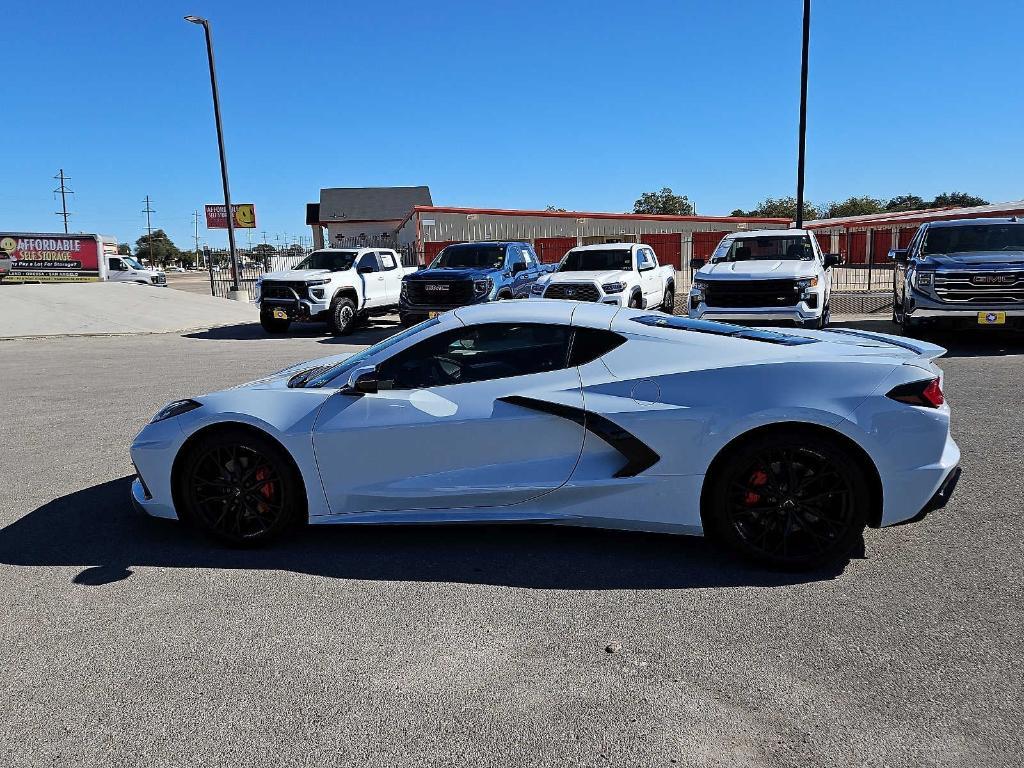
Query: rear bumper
<point x="941" y="496"/>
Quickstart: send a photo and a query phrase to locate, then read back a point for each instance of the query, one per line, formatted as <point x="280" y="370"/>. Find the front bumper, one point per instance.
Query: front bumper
<point x="922" y="308"/>
<point x="798" y="314"/>
<point x="297" y="309"/>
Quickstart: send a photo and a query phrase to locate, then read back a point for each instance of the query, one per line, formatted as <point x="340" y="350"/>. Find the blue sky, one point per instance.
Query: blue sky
<point x="580" y="104"/>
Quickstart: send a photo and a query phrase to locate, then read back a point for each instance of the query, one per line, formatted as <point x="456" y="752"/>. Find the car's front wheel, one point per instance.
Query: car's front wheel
<point x="240" y="488"/>
<point x="343" y="316"/>
<point x="668" y="303"/>
<point x="791" y="499"/>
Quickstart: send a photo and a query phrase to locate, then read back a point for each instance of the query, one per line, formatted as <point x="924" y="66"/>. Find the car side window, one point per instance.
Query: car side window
<point x="478" y="353"/>
<point x="643" y="259"/>
<point x="368" y="260"/>
<point x="653" y="257"/>
<point x="917" y="239"/>
<point x="387" y="261"/>
<point x="588" y="344"/>
<point x="515" y="256"/>
<point x="117" y="265"/>
<point x="528" y="256"/>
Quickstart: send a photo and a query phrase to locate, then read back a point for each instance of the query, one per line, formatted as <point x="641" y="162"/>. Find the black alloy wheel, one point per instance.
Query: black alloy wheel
<point x="240" y="489"/>
<point x="793" y="501"/>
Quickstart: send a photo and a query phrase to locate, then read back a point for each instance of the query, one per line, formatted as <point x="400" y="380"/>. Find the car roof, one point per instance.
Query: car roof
<point x="768" y="233"/>
<point x="488" y="242"/>
<point x="974" y="222"/>
<point x="604" y="246"/>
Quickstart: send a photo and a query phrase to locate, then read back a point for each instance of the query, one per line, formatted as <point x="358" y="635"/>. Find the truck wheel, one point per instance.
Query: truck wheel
<point x="343" y="316"/>
<point x="635" y="301"/>
<point x="823" y="321"/>
<point x="668" y="303"/>
<point x="272" y="324"/>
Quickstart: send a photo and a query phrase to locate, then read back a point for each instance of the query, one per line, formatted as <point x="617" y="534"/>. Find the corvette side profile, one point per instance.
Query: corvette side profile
<point x="783" y="446"/>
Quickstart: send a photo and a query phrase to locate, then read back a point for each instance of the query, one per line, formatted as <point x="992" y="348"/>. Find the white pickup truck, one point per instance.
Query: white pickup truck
<point x="765" y="276"/>
<point x="339" y="286"/>
<point x="624" y="274"/>
<point x="128" y="269"/>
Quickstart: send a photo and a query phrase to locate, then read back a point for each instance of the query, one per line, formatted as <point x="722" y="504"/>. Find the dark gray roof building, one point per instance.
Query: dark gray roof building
<point x="341" y="204"/>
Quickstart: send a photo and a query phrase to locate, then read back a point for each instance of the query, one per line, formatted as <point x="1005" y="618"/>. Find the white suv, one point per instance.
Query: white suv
<point x="765" y="276"/>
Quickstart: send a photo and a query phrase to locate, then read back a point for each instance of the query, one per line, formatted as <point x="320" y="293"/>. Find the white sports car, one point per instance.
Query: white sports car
<point x="781" y="445"/>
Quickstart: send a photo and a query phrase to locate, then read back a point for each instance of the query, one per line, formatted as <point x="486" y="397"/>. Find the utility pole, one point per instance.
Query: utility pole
<point x="803" y="117"/>
<point x="148" y="210"/>
<point x="195" y="219"/>
<point x="64" y="192"/>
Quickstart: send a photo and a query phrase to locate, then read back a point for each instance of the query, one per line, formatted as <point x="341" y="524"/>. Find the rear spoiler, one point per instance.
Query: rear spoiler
<point x="919" y="348"/>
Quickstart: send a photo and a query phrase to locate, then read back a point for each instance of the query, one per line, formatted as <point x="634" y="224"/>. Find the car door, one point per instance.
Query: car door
<point x="374" y="288"/>
<point x="117" y="269"/>
<point x="647" y="265"/>
<point x="392" y="276"/>
<point x="517" y="280"/>
<point x="444" y="431"/>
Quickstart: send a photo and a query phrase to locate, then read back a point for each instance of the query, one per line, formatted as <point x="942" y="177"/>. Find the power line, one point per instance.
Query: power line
<point x="64" y="192"/>
<point x="149" y="228"/>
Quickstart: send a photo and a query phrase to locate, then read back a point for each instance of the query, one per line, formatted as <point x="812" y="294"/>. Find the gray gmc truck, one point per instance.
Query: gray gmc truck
<point x="961" y="273"/>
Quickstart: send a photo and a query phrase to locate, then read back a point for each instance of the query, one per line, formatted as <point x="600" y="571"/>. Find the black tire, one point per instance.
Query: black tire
<point x="504" y="296"/>
<point x="635" y="302"/>
<point x="792" y="499"/>
<point x="272" y="324"/>
<point x="343" y="316"/>
<point x="240" y="488"/>
<point x="668" y="303"/>
<point x="826" y="316"/>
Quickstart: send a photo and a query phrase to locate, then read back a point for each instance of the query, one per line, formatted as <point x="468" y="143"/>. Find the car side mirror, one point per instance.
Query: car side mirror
<point x="833" y="259"/>
<point x="365" y="270"/>
<point x="697" y="263"/>
<point x="899" y="255"/>
<point x="363" y="381"/>
<point x="518" y="267"/>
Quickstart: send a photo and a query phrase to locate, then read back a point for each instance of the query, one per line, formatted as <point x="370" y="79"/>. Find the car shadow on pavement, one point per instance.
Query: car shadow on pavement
<point x="965" y="343"/>
<point x="367" y="334"/>
<point x="97" y="528"/>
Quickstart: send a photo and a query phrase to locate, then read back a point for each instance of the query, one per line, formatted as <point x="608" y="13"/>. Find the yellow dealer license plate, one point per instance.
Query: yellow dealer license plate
<point x="432" y="315"/>
<point x="991" y="318"/>
<point x="280" y="314"/>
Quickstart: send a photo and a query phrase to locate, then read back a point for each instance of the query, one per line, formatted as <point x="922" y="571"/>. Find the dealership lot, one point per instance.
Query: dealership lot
<point x="129" y="641"/>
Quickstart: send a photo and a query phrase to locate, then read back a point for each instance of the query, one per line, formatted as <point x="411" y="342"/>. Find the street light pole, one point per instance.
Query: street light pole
<point x="803" y="117"/>
<point x="223" y="156"/>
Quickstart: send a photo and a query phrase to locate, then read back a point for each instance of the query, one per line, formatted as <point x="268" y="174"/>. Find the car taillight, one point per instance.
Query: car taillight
<point x="926" y="393"/>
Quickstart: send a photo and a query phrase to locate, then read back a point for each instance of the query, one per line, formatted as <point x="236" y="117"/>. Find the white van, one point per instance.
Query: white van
<point x="127" y="269"/>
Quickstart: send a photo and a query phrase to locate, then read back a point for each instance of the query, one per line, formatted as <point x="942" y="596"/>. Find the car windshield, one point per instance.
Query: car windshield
<point x="765" y="249"/>
<point x="133" y="263"/>
<point x="335" y="261"/>
<point x="977" y="237"/>
<point x="597" y="260"/>
<point x="348" y="364"/>
<point x="475" y="256"/>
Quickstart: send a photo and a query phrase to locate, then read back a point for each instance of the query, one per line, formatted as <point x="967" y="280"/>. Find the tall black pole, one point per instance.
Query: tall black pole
<point x="223" y="155"/>
<point x="803" y="117"/>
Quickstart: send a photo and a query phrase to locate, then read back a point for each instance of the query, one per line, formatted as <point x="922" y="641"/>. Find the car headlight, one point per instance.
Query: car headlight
<point x="807" y="282"/>
<point x="317" y="282"/>
<point x="405" y="290"/>
<point x="617" y="287"/>
<point x="536" y="289"/>
<point x="923" y="279"/>
<point x="316" y="293"/>
<point x="700" y="286"/>
<point x="176" y="408"/>
<point x="480" y="287"/>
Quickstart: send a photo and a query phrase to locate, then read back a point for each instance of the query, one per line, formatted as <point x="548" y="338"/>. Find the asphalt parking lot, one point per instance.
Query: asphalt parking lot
<point x="128" y="641"/>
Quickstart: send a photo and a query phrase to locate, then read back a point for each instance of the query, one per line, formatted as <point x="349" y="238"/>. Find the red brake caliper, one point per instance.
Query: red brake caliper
<point x="759" y="478"/>
<point x="267" y="489"/>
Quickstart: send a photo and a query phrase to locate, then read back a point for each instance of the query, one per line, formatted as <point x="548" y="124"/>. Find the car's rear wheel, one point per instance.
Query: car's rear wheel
<point x="273" y="324"/>
<point x="343" y="316"/>
<point x="240" y="488"/>
<point x="793" y="499"/>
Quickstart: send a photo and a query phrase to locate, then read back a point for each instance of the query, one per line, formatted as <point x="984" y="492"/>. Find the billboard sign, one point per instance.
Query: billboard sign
<point x="244" y="216"/>
<point x="45" y="258"/>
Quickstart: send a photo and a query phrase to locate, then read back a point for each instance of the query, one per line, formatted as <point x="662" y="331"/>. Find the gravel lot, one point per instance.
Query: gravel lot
<point x="126" y="641"/>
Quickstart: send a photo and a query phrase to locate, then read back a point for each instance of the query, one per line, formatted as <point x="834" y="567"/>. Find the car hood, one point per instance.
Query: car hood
<point x="297" y="275"/>
<point x="280" y="379"/>
<point x="451" y="274"/>
<point x="754" y="270"/>
<point x="592" y="276"/>
<point x="976" y="260"/>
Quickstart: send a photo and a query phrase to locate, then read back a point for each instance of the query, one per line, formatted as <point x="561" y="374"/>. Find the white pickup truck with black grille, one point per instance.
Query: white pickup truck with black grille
<point x="339" y="286"/>
<point x="623" y="274"/>
<point x="767" y="276"/>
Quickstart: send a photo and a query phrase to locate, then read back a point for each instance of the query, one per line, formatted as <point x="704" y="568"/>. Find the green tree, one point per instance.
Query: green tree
<point x="781" y="208"/>
<point x="554" y="209"/>
<point x="157" y="249"/>
<point x="123" y="249"/>
<point x="957" y="199"/>
<point x="263" y="251"/>
<point x="854" y="206"/>
<point x="663" y="202"/>
<point x="905" y="203"/>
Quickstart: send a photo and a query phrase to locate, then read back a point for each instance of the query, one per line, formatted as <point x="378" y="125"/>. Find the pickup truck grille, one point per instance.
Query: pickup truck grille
<point x="752" y="293"/>
<point x="283" y="289"/>
<point x="980" y="287"/>
<point x="447" y="293"/>
<point x="574" y="291"/>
